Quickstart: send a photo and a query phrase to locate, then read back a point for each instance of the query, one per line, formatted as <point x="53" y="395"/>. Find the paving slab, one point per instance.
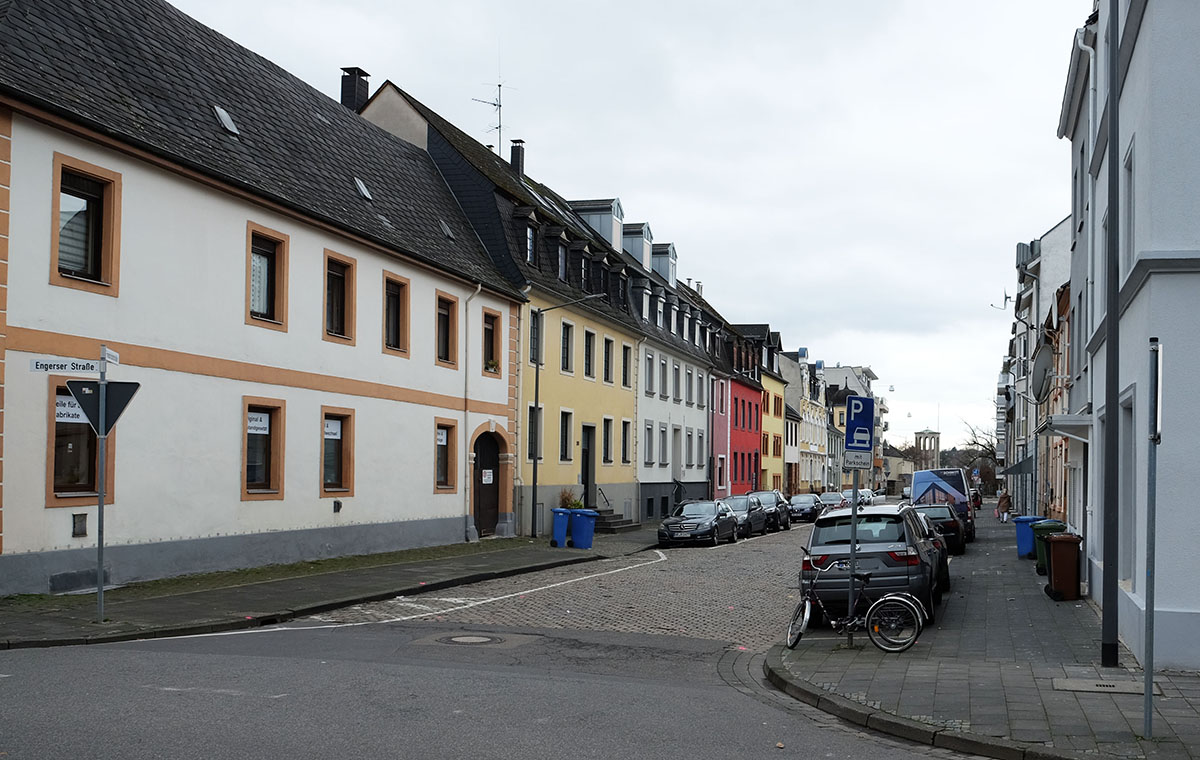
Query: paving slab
<point x="982" y="679"/>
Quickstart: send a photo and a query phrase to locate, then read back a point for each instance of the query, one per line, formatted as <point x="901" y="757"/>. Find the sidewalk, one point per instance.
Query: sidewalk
<point x="982" y="679"/>
<point x="269" y="602"/>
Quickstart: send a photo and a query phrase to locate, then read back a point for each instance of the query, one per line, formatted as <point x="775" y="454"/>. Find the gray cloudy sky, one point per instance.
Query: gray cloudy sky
<point x="856" y="173"/>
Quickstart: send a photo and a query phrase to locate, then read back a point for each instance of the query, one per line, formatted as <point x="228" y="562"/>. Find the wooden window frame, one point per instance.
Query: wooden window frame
<point x="350" y="300"/>
<point x="110" y="244"/>
<point x="451" y="486"/>
<point x="346" y="415"/>
<point x="438" y="297"/>
<point x="280" y="322"/>
<point x="405" y="321"/>
<point x="85" y="498"/>
<point x="497" y="353"/>
<point x="278" y="409"/>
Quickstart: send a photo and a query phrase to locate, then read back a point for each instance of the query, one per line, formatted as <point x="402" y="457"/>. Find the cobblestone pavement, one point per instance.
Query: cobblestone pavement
<point x="737" y="593"/>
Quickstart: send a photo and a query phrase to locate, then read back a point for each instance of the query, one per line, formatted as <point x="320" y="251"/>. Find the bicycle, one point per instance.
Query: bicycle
<point x="893" y="622"/>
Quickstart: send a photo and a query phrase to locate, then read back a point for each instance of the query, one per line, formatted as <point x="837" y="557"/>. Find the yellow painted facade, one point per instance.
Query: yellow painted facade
<point x="590" y="395"/>
<point x="773" y="426"/>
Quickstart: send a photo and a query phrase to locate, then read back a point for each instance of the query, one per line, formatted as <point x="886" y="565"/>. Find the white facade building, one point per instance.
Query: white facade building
<point x="1159" y="256"/>
<point x="310" y="386"/>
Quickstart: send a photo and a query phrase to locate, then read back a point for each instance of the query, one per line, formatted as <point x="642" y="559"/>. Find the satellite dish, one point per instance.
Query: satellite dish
<point x="1040" y="375"/>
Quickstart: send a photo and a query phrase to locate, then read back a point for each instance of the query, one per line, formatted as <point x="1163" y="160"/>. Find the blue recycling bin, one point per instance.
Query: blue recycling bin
<point x="558" y="532"/>
<point x="1026" y="549"/>
<point x="583" y="527"/>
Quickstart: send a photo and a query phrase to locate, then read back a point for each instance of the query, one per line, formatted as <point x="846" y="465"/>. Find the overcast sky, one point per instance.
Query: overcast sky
<point x="855" y="173"/>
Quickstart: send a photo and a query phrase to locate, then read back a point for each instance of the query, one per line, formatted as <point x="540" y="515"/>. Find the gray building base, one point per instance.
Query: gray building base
<point x="657" y="499"/>
<point x="75" y="569"/>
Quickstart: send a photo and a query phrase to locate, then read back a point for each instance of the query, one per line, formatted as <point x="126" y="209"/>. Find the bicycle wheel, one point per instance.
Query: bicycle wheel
<point x="893" y="623"/>
<point x="799" y="623"/>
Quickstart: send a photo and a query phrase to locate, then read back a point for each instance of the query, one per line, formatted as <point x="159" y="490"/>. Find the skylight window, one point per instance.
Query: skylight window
<point x="226" y="120"/>
<point x="362" y="189"/>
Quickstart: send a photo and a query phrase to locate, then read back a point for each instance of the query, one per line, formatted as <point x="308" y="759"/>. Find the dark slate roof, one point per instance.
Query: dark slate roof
<point x="556" y="210"/>
<point x="791" y="413"/>
<point x="142" y="72"/>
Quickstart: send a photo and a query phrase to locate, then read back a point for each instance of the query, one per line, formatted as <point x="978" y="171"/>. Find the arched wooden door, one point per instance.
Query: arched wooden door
<point x="487" y="484"/>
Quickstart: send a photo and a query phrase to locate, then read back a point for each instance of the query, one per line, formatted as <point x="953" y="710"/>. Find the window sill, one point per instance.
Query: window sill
<point x="338" y="337"/>
<point x="334" y="491"/>
<point x="267" y="320"/>
<point x="82" y="278"/>
<point x="78" y="494"/>
<point x="257" y="491"/>
<point x="447" y="488"/>
<point x="395" y="351"/>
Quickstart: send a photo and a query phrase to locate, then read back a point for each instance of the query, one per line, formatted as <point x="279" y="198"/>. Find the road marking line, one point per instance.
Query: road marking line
<point x="487" y="600"/>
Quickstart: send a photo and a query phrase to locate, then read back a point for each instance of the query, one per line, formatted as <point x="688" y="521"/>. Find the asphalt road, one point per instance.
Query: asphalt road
<point x="654" y="655"/>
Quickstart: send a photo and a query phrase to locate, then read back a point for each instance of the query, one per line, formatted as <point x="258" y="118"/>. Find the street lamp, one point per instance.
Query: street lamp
<point x="537" y="405"/>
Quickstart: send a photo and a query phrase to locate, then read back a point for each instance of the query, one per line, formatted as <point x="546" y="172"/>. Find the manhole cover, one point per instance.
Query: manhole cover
<point x="471" y="640"/>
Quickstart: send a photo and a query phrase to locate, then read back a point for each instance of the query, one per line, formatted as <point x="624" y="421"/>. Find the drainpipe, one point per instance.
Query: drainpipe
<point x="469" y="532"/>
<point x="1090" y="194"/>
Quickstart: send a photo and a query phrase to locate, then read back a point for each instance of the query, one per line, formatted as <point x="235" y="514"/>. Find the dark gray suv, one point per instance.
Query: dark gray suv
<point x="892" y="546"/>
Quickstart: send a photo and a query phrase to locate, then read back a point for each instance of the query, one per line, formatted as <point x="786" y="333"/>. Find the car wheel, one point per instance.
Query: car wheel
<point x="945" y="576"/>
<point x="716" y="536"/>
<point x="787" y="523"/>
<point x="733" y="534"/>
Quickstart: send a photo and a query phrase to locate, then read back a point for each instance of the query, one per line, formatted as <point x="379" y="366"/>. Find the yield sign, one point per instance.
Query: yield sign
<point x="117" y="396"/>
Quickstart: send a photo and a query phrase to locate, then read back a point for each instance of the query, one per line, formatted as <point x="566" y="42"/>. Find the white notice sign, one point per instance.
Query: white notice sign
<point x="67" y="409"/>
<point x="487" y="477"/>
<point x="441" y="437"/>
<point x="333" y="429"/>
<point x="258" y="423"/>
<point x="110" y="356"/>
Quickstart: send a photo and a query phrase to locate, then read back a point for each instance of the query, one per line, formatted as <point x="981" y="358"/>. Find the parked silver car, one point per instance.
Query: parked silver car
<point x="893" y="546"/>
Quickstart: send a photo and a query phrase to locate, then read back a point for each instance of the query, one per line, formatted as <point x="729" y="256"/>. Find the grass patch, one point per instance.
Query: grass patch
<point x="185" y="584"/>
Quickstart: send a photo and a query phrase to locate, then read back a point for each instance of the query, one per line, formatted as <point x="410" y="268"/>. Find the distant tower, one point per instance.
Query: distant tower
<point x="929" y="449"/>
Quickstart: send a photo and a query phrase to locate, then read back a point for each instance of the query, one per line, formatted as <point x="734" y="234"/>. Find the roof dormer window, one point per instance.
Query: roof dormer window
<point x="562" y="262"/>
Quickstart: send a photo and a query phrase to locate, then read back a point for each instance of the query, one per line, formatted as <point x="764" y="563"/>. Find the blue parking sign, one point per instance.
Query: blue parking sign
<point x="860" y="431"/>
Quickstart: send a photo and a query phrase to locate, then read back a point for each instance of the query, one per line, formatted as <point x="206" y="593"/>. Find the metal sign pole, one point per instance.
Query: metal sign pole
<point x="101" y="464"/>
<point x="853" y="557"/>
<point x="1151" y="518"/>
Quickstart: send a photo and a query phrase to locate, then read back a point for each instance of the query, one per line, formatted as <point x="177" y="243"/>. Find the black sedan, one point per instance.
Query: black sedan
<point x="751" y="517"/>
<point x="776" y="509"/>
<point x="947" y="522"/>
<point x="707" y="522"/>
<point x="805" y="506"/>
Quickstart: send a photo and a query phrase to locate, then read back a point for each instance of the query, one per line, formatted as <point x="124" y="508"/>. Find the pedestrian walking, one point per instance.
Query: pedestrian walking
<point x="1005" y="506"/>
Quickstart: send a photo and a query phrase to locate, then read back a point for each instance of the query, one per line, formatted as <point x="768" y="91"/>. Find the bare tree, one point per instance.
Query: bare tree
<point x="983" y="442"/>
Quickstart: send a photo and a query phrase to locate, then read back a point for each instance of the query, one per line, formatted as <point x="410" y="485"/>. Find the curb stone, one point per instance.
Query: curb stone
<point x="901" y="727"/>
<point x="988" y="746"/>
<point x="905" y="728"/>
<point x="273" y="618"/>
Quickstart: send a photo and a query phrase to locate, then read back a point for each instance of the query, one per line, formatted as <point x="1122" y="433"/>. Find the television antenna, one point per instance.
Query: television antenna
<point x="497" y="104"/>
<point x="1007" y="298"/>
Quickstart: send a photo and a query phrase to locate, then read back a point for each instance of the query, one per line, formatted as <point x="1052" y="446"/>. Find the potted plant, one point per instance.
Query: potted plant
<point x="491" y="365"/>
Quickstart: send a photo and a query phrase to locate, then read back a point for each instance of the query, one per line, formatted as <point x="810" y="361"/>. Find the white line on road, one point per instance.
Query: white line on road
<point x="487" y="600"/>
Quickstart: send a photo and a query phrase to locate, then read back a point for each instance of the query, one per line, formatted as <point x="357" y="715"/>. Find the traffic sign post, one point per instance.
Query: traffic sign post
<point x="102" y="403"/>
<point x="860" y="444"/>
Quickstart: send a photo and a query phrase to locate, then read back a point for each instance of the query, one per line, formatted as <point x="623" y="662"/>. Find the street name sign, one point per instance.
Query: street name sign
<point x="117" y="397"/>
<point x="860" y="432"/>
<point x="62" y="364"/>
